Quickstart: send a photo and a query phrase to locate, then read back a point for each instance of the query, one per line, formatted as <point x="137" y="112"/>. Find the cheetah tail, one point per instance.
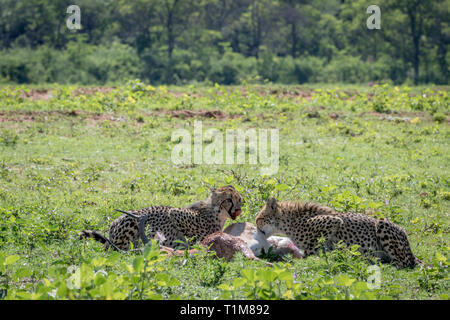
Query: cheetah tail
<point x="129" y="214"/>
<point x="97" y="236"/>
<point x="142" y="220"/>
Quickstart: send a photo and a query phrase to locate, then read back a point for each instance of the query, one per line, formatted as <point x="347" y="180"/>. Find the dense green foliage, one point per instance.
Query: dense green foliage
<point x="69" y="156"/>
<point x="224" y="41"/>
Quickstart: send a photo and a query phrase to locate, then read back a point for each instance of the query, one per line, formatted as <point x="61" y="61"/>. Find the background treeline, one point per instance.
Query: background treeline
<point x="224" y="41"/>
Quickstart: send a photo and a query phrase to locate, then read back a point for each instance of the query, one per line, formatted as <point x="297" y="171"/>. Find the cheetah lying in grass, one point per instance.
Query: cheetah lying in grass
<point x="195" y="221"/>
<point x="304" y="223"/>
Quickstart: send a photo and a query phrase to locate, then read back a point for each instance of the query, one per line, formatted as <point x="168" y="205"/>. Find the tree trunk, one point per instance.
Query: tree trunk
<point x="256" y="25"/>
<point x="416" y="59"/>
<point x="416" y="33"/>
<point x="170" y="36"/>
<point x="441" y="49"/>
<point x="294" y="39"/>
<point x="170" y="39"/>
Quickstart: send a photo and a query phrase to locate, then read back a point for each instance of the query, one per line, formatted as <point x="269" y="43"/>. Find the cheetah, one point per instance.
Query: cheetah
<point x="304" y="223"/>
<point x="174" y="224"/>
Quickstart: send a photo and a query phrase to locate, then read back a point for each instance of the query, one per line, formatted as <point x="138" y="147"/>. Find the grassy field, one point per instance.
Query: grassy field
<point x="69" y="156"/>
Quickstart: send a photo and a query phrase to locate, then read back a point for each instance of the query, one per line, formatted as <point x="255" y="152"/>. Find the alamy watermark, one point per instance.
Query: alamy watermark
<point x="374" y="279"/>
<point x="74" y="280"/>
<point x="254" y="147"/>
<point x="374" y="21"/>
<point x="73" y="22"/>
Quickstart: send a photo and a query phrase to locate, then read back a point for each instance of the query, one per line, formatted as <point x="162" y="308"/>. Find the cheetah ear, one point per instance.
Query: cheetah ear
<point x="211" y="189"/>
<point x="272" y="203"/>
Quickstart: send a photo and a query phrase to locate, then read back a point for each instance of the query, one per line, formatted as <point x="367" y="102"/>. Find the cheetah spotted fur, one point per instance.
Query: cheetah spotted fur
<point x="193" y="222"/>
<point x="305" y="223"/>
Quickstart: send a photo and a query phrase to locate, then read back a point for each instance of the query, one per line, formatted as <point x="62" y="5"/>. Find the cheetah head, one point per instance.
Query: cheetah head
<point x="226" y="199"/>
<point x="267" y="218"/>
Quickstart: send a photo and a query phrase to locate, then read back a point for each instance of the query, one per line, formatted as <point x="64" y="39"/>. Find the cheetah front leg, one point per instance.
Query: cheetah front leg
<point x="319" y="226"/>
<point x="395" y="244"/>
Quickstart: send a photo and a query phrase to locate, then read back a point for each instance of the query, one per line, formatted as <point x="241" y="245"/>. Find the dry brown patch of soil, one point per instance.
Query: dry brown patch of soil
<point x="31" y="116"/>
<point x="399" y="116"/>
<point x="36" y="94"/>
<point x="292" y="93"/>
<point x="41" y="116"/>
<point x="44" y="94"/>
<point x="212" y="114"/>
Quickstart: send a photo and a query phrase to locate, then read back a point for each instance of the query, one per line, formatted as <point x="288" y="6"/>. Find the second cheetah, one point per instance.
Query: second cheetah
<point x="305" y="223"/>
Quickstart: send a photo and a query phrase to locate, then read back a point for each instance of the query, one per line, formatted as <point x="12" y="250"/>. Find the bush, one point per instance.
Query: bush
<point x="88" y="64"/>
<point x="232" y="68"/>
<point x="78" y="63"/>
<point x="308" y="69"/>
<point x="15" y="67"/>
<point x="268" y="66"/>
<point x="114" y="63"/>
<point x="349" y="69"/>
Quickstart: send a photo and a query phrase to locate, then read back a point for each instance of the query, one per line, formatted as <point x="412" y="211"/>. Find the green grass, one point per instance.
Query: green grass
<point x="68" y="161"/>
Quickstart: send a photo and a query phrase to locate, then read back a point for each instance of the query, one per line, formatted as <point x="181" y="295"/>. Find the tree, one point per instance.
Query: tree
<point x="417" y="12"/>
<point x="291" y="14"/>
